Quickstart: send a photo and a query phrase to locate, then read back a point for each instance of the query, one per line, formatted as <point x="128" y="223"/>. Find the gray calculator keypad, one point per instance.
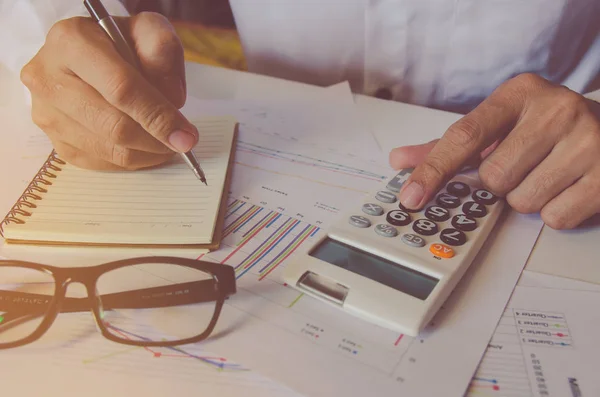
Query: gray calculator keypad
<point x="450" y="215"/>
<point x="386" y="197"/>
<point x="372" y="209"/>
<point x="386" y="230"/>
<point x="413" y="240"/>
<point x="360" y="221"/>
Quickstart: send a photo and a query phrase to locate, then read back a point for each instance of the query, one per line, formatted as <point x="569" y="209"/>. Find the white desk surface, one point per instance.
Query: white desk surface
<point x="567" y="253"/>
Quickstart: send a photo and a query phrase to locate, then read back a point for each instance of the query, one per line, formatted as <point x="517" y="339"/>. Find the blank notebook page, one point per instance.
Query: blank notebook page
<point x="163" y="205"/>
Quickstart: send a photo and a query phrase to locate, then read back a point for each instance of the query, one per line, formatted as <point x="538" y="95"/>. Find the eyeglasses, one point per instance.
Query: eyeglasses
<point x="127" y="298"/>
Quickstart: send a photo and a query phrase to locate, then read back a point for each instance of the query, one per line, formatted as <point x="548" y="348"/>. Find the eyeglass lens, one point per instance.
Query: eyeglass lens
<point x="178" y="302"/>
<point x="149" y="302"/>
<point x="25" y="297"/>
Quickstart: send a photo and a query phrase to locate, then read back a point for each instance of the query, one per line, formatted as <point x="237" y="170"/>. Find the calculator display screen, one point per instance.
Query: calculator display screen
<point x="386" y="272"/>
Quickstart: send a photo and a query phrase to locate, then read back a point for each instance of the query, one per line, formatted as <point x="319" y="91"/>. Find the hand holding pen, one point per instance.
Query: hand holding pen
<point x="100" y="111"/>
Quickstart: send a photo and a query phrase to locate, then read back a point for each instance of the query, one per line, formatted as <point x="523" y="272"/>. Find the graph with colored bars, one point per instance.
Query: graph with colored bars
<point x="258" y="240"/>
<point x="507" y="368"/>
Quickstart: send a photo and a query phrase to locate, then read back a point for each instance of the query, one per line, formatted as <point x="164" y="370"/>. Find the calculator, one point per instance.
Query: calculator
<point x="393" y="266"/>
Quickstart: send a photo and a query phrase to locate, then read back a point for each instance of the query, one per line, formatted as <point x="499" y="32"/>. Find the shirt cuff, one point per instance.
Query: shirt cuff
<point x="594" y="95"/>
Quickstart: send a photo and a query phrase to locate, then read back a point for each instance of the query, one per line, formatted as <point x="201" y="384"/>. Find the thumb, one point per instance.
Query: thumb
<point x="160" y="53"/>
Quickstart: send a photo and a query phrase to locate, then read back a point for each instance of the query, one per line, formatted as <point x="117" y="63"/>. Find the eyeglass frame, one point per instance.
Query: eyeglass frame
<point x="223" y="280"/>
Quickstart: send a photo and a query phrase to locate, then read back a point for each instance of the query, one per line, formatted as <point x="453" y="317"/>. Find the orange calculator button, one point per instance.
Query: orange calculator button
<point x="441" y="250"/>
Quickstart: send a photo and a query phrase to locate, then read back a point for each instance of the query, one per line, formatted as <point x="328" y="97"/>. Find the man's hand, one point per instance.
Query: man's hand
<point x="538" y="145"/>
<point x="99" y="111"/>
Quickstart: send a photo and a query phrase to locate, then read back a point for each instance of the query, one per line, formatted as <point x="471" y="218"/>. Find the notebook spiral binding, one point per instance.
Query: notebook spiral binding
<point x="33" y="191"/>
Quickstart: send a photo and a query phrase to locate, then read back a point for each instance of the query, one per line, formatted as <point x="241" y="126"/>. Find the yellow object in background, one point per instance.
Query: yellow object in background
<point x="211" y="45"/>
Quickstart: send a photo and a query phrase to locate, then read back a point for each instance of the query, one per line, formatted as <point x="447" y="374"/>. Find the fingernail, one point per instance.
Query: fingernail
<point x="411" y="195"/>
<point x="182" y="141"/>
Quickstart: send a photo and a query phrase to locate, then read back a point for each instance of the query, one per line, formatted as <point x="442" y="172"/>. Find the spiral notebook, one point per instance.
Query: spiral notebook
<point x="165" y="206"/>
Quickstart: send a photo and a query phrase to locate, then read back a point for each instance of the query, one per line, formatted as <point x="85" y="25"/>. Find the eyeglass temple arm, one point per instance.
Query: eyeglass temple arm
<point x="20" y="304"/>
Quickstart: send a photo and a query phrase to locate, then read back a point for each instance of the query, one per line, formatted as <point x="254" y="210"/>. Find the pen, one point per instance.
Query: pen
<point x="108" y="24"/>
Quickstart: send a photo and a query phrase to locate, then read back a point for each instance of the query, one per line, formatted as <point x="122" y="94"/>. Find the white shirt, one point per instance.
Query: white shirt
<point x="447" y="54"/>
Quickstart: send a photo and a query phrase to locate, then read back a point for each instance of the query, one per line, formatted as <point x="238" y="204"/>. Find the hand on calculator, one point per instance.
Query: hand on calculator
<point x="393" y="265"/>
<point x="538" y="145"/>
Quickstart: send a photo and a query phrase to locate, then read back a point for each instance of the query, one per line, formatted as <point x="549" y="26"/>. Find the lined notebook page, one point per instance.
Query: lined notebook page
<point x="163" y="205"/>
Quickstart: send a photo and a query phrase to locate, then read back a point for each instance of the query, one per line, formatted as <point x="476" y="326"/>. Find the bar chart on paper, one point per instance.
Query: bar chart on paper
<point x="257" y="244"/>
<point x="278" y="237"/>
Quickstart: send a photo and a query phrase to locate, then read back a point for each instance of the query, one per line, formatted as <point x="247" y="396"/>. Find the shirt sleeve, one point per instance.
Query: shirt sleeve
<point x="594" y="96"/>
<point x="24" y="25"/>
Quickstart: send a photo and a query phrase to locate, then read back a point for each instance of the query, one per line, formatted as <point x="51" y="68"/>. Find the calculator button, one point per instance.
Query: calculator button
<point x="447" y="200"/>
<point x="482" y="196"/>
<point x="453" y="237"/>
<point x="396" y="183"/>
<point x="425" y="227"/>
<point x="372" y="209"/>
<point x="398" y="218"/>
<point x="437" y="213"/>
<point x="413" y="240"/>
<point x="464" y="223"/>
<point x="386" y="197"/>
<point x="359" y="221"/>
<point x="474" y="209"/>
<point x="458" y="189"/>
<point x="386" y="230"/>
<point x="441" y="250"/>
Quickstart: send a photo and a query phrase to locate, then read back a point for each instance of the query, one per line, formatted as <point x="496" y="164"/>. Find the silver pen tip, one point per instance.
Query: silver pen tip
<point x="200" y="176"/>
<point x="190" y="159"/>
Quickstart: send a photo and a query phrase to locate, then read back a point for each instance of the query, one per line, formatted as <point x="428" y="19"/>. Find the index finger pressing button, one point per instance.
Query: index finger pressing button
<point x="403" y="208"/>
